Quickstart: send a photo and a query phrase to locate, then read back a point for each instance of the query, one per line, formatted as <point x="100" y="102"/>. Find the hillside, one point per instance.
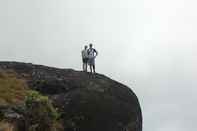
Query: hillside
<point x="41" y="98"/>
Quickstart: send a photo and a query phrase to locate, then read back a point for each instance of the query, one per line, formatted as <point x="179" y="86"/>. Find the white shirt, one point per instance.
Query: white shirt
<point x="84" y="53"/>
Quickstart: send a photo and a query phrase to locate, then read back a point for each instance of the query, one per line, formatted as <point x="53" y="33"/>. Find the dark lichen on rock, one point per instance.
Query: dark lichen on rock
<point x="67" y="99"/>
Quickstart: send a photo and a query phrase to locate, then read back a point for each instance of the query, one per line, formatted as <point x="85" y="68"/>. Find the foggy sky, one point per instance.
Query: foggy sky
<point x="149" y="45"/>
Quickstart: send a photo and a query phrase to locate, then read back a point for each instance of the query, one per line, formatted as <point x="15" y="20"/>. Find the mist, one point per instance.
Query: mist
<point x="149" y="45"/>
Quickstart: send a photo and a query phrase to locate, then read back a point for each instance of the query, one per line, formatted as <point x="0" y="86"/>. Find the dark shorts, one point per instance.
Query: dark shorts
<point x="85" y="60"/>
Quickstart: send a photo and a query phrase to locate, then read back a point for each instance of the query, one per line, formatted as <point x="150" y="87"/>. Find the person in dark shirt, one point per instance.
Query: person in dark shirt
<point x="92" y="54"/>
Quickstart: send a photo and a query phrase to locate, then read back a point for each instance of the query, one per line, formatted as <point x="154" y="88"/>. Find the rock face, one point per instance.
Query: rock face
<point x="86" y="102"/>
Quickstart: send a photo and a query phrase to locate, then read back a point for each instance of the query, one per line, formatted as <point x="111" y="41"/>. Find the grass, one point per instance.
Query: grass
<point x="5" y="126"/>
<point x="12" y="89"/>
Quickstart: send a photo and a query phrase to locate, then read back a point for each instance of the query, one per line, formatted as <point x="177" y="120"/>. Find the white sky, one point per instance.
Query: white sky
<point x="149" y="45"/>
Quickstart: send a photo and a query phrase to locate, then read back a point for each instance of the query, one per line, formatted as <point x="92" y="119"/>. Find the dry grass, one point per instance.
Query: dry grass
<point x="12" y="89"/>
<point x="58" y="126"/>
<point x="5" y="126"/>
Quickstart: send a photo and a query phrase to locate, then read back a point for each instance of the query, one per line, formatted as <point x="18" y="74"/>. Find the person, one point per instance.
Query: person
<point x="92" y="53"/>
<point x="84" y="54"/>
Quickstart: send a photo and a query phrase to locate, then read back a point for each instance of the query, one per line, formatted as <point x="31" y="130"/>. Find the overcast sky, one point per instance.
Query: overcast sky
<point x="149" y="45"/>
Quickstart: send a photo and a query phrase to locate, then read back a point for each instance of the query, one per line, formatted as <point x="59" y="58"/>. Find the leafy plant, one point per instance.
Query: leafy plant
<point x="41" y="104"/>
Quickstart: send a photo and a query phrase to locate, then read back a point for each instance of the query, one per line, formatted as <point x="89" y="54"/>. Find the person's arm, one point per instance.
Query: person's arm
<point x="82" y="54"/>
<point x="88" y="51"/>
<point x="96" y="52"/>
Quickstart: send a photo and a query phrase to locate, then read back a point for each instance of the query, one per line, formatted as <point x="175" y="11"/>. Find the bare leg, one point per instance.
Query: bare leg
<point x="86" y="67"/>
<point x="94" y="68"/>
<point x="83" y="66"/>
<point x="91" y="68"/>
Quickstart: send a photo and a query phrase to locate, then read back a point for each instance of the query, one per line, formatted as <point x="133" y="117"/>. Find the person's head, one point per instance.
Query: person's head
<point x="90" y="45"/>
<point x="85" y="47"/>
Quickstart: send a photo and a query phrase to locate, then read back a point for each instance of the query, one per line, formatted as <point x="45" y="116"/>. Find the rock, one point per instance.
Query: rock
<point x="10" y="113"/>
<point x="86" y="102"/>
<point x="12" y="120"/>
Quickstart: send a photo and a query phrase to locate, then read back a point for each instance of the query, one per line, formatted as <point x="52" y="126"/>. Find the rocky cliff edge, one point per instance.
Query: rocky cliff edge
<point x="73" y="100"/>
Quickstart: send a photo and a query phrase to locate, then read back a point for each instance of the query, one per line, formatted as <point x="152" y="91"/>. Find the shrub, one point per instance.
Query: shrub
<point x="40" y="104"/>
<point x="41" y="114"/>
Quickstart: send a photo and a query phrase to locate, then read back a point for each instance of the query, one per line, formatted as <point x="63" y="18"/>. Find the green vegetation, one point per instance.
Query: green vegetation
<point x="42" y="105"/>
<point x="41" y="113"/>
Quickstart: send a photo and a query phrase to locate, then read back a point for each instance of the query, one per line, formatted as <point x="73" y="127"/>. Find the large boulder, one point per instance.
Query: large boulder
<point x="84" y="101"/>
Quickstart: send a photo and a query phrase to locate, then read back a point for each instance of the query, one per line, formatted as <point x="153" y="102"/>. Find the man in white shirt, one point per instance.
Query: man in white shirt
<point x="84" y="54"/>
<point x="92" y="53"/>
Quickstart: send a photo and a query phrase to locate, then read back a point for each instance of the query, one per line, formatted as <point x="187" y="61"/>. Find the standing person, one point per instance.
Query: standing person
<point x="84" y="54"/>
<point x="92" y="53"/>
